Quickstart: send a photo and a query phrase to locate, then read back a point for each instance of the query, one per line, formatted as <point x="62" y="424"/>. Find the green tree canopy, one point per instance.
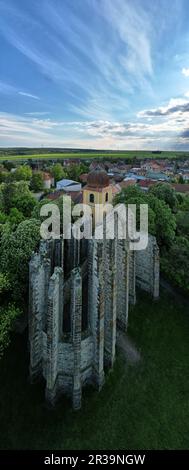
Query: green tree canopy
<point x="15" y="252"/>
<point x="8" y="315"/>
<point x="37" y="183"/>
<point x="161" y="221"/>
<point x="74" y="171"/>
<point x="164" y="192"/>
<point x="175" y="264"/>
<point x="14" y="193"/>
<point x="23" y="173"/>
<point x="58" y="172"/>
<point x="24" y="203"/>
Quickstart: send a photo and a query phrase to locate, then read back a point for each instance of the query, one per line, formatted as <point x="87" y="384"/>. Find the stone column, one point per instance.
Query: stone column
<point x="132" y="277"/>
<point x="110" y="292"/>
<point x="39" y="274"/>
<point x="76" y="321"/>
<point x="123" y="284"/>
<point x="96" y="307"/>
<point x="59" y="252"/>
<point x="53" y="335"/>
<point x="156" y="270"/>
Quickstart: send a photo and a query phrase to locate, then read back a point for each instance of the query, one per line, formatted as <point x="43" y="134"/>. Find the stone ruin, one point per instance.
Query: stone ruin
<point x="80" y="292"/>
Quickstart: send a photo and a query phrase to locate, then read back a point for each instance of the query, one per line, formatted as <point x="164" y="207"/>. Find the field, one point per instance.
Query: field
<point x="143" y="406"/>
<point x="129" y="155"/>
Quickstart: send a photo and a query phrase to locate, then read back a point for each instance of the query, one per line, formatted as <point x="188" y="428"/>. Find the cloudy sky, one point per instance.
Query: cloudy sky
<point x="94" y="73"/>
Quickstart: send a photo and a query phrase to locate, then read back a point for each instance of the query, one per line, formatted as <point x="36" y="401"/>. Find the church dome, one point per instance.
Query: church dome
<point x="98" y="178"/>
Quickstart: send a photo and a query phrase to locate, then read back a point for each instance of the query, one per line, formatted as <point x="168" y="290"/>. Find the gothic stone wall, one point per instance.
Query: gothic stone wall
<point x="67" y="362"/>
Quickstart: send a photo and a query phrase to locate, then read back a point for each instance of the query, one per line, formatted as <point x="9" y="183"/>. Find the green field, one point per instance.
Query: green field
<point x="92" y="155"/>
<point x="143" y="406"/>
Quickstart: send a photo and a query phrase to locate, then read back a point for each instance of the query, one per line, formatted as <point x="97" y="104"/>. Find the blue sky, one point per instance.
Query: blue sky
<point x="94" y="73"/>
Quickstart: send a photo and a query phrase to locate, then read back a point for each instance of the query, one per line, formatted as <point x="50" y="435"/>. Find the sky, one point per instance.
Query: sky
<point x="102" y="74"/>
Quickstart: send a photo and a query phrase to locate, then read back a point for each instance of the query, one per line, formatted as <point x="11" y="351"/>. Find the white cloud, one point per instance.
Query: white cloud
<point x="174" y="106"/>
<point x="37" y="113"/>
<point x="185" y="72"/>
<point x="28" y="95"/>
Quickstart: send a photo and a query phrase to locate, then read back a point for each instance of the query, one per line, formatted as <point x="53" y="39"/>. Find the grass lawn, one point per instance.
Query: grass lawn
<point x="140" y="154"/>
<point x="143" y="406"/>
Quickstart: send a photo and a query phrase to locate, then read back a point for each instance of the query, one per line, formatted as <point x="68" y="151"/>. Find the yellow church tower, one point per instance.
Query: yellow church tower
<point x="98" y="189"/>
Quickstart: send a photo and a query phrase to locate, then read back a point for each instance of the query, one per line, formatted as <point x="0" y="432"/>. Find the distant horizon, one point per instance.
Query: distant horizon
<point x="69" y="149"/>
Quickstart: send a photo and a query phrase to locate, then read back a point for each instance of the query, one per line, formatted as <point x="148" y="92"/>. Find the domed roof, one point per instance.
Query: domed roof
<point x="98" y="178"/>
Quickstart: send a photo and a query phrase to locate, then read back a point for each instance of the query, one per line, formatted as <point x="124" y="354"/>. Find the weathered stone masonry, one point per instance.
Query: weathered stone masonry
<point x="79" y="296"/>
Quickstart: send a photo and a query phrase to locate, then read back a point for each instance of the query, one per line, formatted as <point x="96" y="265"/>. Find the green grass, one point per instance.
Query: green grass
<point x="140" y="407"/>
<point x="91" y="155"/>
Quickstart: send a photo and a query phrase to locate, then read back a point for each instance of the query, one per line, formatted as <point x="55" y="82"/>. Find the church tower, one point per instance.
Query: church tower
<point x="98" y="189"/>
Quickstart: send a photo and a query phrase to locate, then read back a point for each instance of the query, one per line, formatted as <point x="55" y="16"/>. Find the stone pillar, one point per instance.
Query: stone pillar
<point x="110" y="292"/>
<point x="96" y="306"/>
<point x="39" y="274"/>
<point x="59" y="252"/>
<point x="156" y="271"/>
<point x="132" y="277"/>
<point x="47" y="251"/>
<point x="123" y="283"/>
<point x="53" y="334"/>
<point x="147" y="268"/>
<point x="76" y="321"/>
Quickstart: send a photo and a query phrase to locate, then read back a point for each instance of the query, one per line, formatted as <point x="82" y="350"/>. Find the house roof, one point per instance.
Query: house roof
<point x="146" y="183"/>
<point x="180" y="188"/>
<point x="64" y="182"/>
<point x="83" y="177"/>
<point x="157" y="176"/>
<point x="125" y="184"/>
<point x="46" y="176"/>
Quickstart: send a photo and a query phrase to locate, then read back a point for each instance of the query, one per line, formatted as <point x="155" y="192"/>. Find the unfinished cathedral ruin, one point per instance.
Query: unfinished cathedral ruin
<point x="80" y="292"/>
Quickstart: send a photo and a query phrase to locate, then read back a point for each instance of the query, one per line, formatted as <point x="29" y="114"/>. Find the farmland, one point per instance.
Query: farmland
<point x="57" y="154"/>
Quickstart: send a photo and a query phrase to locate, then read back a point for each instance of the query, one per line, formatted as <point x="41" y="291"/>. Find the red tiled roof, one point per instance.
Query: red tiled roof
<point x="125" y="184"/>
<point x="180" y="188"/>
<point x="146" y="183"/>
<point x="46" y="176"/>
<point x="83" y="177"/>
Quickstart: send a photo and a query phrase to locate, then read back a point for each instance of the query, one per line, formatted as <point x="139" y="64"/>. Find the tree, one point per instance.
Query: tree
<point x="3" y="217"/>
<point x="58" y="202"/>
<point x="161" y="221"/>
<point x="134" y="195"/>
<point x="15" y="252"/>
<point x="165" y="222"/>
<point x="3" y="176"/>
<point x="11" y="192"/>
<point x="8" y="165"/>
<point x="183" y="202"/>
<point x="164" y="192"/>
<point x="15" y="217"/>
<point x="175" y="264"/>
<point x="58" y="172"/>
<point x="4" y="283"/>
<point x="182" y="219"/>
<point x="8" y="315"/>
<point x="23" y="173"/>
<point x="8" y="192"/>
<point x="74" y="171"/>
<point x="180" y="179"/>
<point x="36" y="211"/>
<point x="37" y="183"/>
<point x="24" y="203"/>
